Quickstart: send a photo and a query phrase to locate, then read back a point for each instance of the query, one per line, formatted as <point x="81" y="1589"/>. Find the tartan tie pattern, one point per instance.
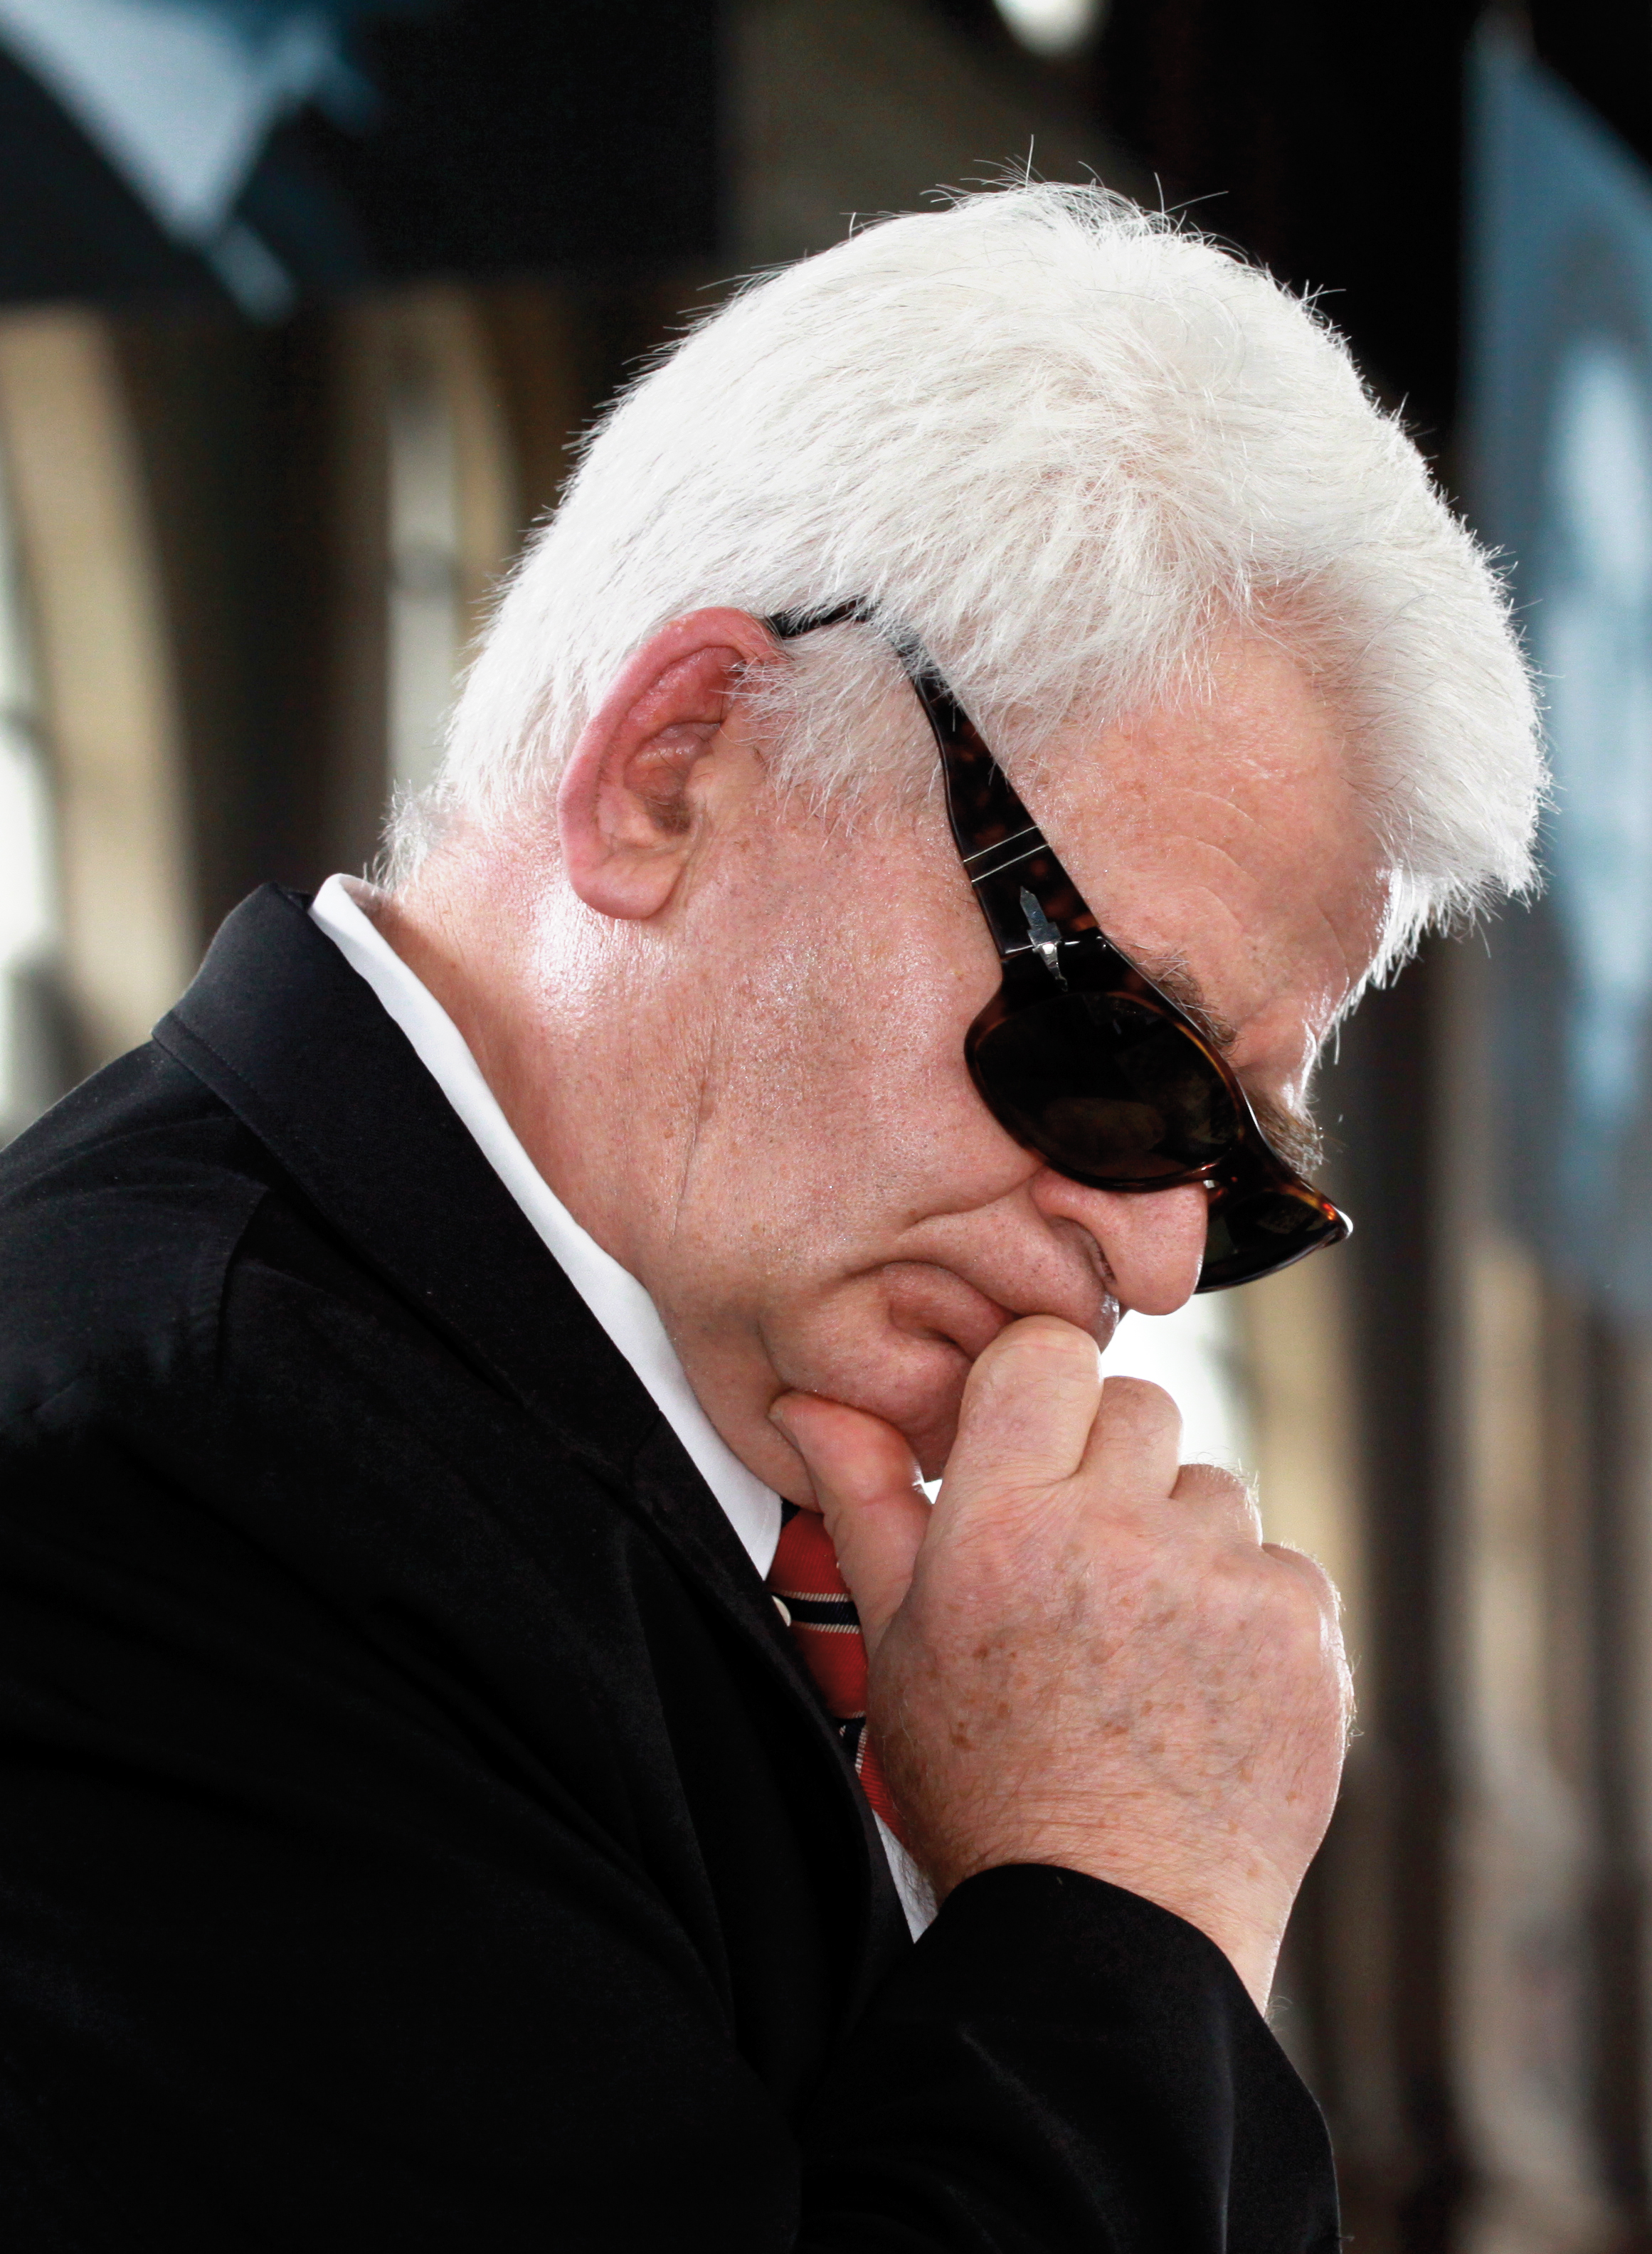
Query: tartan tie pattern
<point x="826" y="1629"/>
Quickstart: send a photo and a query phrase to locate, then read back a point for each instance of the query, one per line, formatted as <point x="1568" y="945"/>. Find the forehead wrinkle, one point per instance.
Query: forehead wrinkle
<point x="1181" y="983"/>
<point x="1352" y="973"/>
<point x="1251" y="819"/>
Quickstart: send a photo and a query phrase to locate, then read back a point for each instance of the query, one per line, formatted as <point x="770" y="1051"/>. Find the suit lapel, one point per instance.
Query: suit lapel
<point x="289" y="1037"/>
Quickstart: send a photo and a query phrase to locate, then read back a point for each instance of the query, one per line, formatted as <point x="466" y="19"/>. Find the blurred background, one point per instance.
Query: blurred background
<point x="302" y="303"/>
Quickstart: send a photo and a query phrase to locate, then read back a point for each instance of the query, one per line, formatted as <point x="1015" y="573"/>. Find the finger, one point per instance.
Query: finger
<point x="867" y="1486"/>
<point x="1136" y="1445"/>
<point x="1221" y="1497"/>
<point x="1027" y="1410"/>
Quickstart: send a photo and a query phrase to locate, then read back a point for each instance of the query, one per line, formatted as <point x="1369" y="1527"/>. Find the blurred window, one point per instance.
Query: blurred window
<point x="1561" y="412"/>
<point x="1592" y="636"/>
<point x="29" y="927"/>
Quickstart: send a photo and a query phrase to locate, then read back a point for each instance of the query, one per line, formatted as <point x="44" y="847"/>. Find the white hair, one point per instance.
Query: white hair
<point x="1063" y="443"/>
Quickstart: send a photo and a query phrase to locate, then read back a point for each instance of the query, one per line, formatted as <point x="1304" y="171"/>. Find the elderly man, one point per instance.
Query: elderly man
<point x="986" y="704"/>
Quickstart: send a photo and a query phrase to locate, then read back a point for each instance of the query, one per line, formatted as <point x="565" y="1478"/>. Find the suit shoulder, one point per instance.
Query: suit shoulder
<point x="119" y="1213"/>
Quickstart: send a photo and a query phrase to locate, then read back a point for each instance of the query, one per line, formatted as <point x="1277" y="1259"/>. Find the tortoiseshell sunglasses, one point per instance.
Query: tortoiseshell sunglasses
<point x="1079" y="1055"/>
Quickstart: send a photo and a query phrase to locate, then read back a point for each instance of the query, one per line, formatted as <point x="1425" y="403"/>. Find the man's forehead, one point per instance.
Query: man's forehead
<point x="1223" y="846"/>
<point x="1235" y="929"/>
<point x="1222" y="842"/>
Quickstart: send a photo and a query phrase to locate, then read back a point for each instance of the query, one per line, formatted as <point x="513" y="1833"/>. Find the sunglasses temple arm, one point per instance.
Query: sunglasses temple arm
<point x="1030" y="903"/>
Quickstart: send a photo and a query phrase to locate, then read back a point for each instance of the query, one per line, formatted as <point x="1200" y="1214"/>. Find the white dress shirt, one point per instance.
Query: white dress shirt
<point x="612" y="1294"/>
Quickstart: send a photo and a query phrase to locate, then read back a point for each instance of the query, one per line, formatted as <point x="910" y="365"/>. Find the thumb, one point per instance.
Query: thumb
<point x="867" y="1486"/>
<point x="1029" y="1407"/>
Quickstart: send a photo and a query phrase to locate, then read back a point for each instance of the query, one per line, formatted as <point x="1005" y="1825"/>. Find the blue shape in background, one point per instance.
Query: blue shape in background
<point x="1560" y="477"/>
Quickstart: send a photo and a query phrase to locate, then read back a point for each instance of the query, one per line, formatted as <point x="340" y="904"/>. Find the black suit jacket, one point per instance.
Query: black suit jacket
<point x="417" y="1830"/>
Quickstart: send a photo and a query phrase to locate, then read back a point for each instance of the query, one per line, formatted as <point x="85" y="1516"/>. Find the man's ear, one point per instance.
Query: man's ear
<point x="632" y="798"/>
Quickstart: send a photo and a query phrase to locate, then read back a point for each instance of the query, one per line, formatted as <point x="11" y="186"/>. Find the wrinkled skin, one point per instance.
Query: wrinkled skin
<point x="730" y="1030"/>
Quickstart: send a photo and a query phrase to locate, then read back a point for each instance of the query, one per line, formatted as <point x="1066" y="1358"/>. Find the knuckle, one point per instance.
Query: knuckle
<point x="1135" y="1405"/>
<point x="1308" y="1575"/>
<point x="1214" y="1487"/>
<point x="1284" y="1611"/>
<point x="1306" y="1644"/>
<point x="1291" y="1601"/>
<point x="1138" y="1395"/>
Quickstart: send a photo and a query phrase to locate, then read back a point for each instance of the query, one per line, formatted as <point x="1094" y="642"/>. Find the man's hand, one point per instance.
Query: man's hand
<point x="1086" y="1655"/>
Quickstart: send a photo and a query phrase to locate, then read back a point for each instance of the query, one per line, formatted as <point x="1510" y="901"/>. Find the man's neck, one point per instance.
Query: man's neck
<point x="540" y="1043"/>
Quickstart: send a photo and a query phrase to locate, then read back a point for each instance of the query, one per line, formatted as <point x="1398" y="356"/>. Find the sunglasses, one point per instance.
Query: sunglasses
<point x="1079" y="1055"/>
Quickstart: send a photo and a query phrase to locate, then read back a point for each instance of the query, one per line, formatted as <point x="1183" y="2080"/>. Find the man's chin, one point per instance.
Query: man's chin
<point x="923" y="1409"/>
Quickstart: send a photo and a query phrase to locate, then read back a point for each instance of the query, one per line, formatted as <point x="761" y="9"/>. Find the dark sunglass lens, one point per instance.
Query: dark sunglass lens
<point x="1253" y="1232"/>
<point x="1106" y="1088"/>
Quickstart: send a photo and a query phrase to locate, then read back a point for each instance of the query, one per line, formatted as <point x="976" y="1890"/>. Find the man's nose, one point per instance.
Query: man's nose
<point x="1153" y="1243"/>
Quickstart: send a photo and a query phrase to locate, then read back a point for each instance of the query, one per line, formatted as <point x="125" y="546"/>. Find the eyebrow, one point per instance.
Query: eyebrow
<point x="1292" y="1134"/>
<point x="1172" y="976"/>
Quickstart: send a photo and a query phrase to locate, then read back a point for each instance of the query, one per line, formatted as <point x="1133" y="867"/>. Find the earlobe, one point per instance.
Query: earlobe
<point x="636" y="791"/>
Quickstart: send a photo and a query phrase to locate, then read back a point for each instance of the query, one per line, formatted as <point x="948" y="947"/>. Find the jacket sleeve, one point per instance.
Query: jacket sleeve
<point x="1061" y="2064"/>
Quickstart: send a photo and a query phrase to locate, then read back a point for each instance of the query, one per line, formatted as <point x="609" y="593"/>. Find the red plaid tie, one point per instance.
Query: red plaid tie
<point x="826" y="1627"/>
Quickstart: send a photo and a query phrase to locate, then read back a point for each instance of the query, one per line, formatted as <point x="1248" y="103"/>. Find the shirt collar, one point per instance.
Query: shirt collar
<point x="613" y="1295"/>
